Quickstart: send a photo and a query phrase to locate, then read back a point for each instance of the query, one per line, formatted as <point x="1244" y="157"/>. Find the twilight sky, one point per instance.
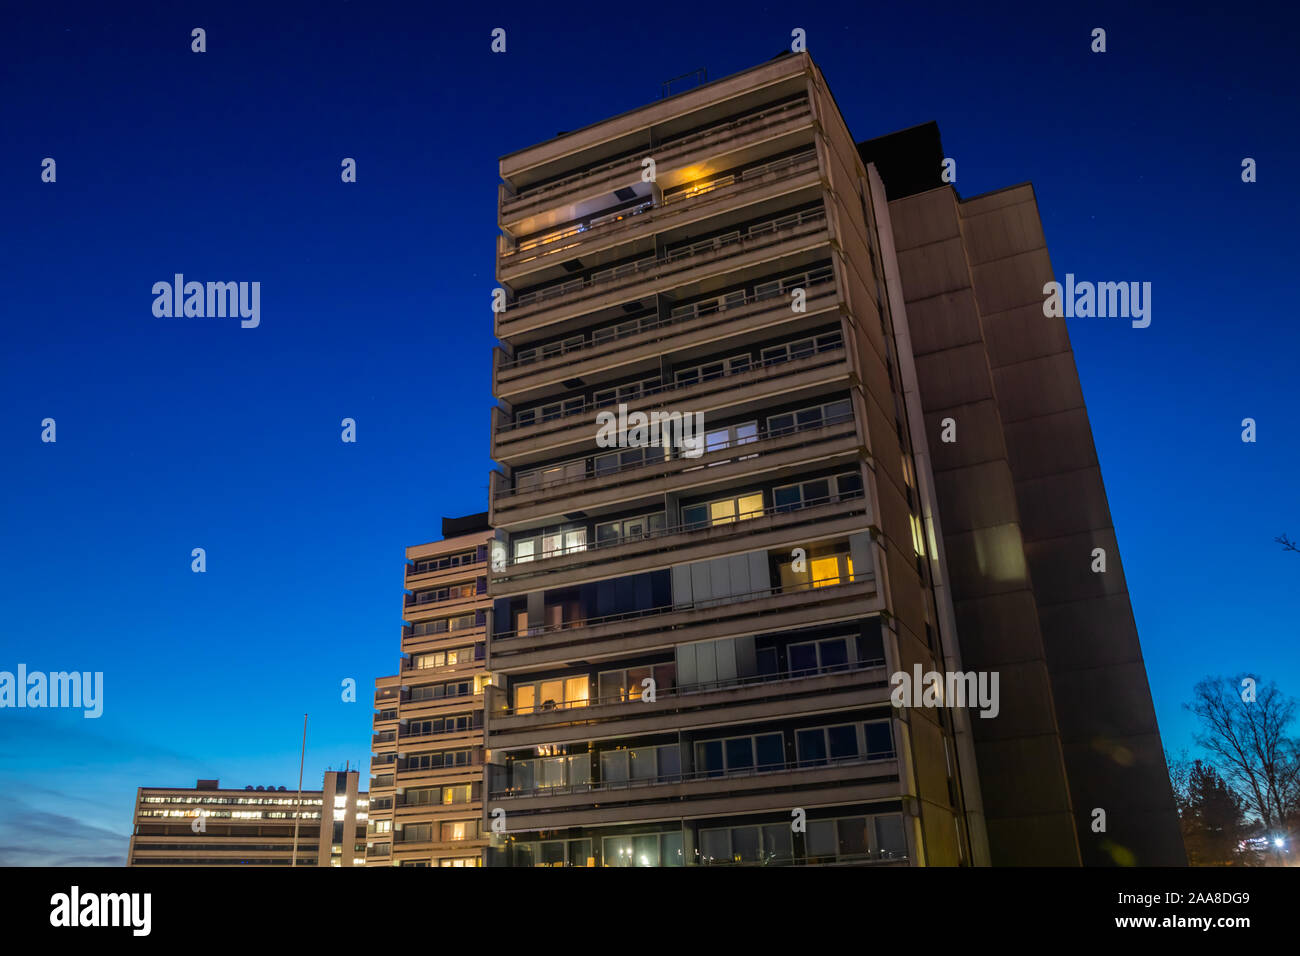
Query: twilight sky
<point x="182" y="433"/>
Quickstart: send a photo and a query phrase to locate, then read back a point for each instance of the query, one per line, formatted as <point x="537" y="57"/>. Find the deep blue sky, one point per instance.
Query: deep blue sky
<point x="183" y="433"/>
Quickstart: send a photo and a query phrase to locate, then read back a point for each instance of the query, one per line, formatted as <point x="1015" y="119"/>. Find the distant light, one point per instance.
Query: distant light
<point x="1278" y="841"/>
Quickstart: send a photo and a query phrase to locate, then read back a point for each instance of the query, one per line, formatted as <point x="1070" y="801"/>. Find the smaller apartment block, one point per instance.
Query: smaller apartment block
<point x="208" y="826"/>
<point x="427" y="750"/>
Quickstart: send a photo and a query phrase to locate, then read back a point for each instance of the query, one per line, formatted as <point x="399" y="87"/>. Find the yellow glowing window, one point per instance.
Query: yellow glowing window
<point x="722" y="512"/>
<point x="576" y="691"/>
<point x="825" y="571"/>
<point x="525" y="698"/>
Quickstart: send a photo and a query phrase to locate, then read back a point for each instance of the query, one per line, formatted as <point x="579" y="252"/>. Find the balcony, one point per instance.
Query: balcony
<point x="637" y="344"/>
<point x="702" y="795"/>
<point x="617" y="635"/>
<point x="739" y="700"/>
<point x="775" y="128"/>
<point x="578" y="487"/>
<point x="764" y="529"/>
<point x="716" y="256"/>
<point x="733" y="391"/>
<point x="606" y="237"/>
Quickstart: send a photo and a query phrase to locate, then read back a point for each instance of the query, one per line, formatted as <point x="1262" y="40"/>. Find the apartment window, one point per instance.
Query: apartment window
<point x="381" y="826"/>
<point x="821" y="745"/>
<point x="752" y="844"/>
<point x="871" y="837"/>
<point x="724" y="510"/>
<point x="552" y="853"/>
<point x="551" y="694"/>
<point x="526" y="481"/>
<point x="802" y="348"/>
<point x="623" y="329"/>
<point x="549" y="412"/>
<point x="720" y="438"/>
<point x="774" y="287"/>
<point x="459" y="655"/>
<point x="456" y="794"/>
<point x="712" y="370"/>
<point x="549" y="543"/>
<point x="459" y="861"/>
<point x="454" y="593"/>
<point x="544" y="773"/>
<point x="710" y="305"/>
<point x="440" y="760"/>
<point x="457" y="830"/>
<point x="647" y="849"/>
<point x="439" y="725"/>
<point x="815" y="657"/>
<point x="460" y="688"/>
<point x="415" y="833"/>
<point x="818" y="491"/>
<point x="825" y="566"/>
<point x="829" y="414"/>
<point x="629" y="683"/>
<point x="662" y="763"/>
<point x="443" y="625"/>
<point x="445" y="561"/>
<point x="714" y="758"/>
<point x="414" y="863"/>
<point x="524" y="356"/>
<point x="631" y="458"/>
<point x="629" y="529"/>
<point x="625" y="393"/>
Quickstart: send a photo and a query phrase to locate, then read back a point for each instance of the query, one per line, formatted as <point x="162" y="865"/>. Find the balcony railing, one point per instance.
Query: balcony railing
<point x="751" y="448"/>
<point x="756" y="235"/>
<point x="820" y="584"/>
<point x="648" y="323"/>
<point x="700" y="687"/>
<point x="736" y="525"/>
<point x="588" y="406"/>
<point x="600" y="786"/>
<point x="546" y="244"/>
<point x="674" y="142"/>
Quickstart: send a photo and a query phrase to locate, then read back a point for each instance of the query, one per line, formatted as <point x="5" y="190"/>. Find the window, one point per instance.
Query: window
<point x="770" y="844"/>
<point x="461" y="861"/>
<point x="552" y="853"/>
<point x="629" y="684"/>
<point x="442" y="725"/>
<point x="818" y="491"/>
<point x="457" y="794"/>
<point x="549" y="543"/>
<point x="880" y="740"/>
<point x="821" y="745"/>
<point x="743" y="434"/>
<point x="651" y="764"/>
<point x="724" y="511"/>
<point x="625" y="393"/>
<point x="444" y="562"/>
<point x="454" y="831"/>
<point x="879" y="837"/>
<point x="712" y="370"/>
<point x="459" y="655"/>
<point x="788" y="351"/>
<point x="551" y="694"/>
<point x="437" y="595"/>
<point x="543" y="773"/>
<point x="549" y="412"/>
<point x="444" y="624"/>
<point x="460" y="688"/>
<point x="813" y="657"/>
<point x="825" y="566"/>
<point x="648" y="849"/>
<point x="829" y="414"/>
<point x="629" y="529"/>
<point x="714" y="758"/>
<point x="526" y="481"/>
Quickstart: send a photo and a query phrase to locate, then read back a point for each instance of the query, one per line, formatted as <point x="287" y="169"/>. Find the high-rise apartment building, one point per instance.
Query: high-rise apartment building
<point x="692" y="643"/>
<point x="426" y="802"/>
<point x="208" y="826"/>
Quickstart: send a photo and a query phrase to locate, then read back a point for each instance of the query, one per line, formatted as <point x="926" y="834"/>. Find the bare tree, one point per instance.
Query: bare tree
<point x="1244" y="725"/>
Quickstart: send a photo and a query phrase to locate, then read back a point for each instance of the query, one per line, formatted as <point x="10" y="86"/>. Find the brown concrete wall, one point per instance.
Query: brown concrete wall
<point x="1027" y="805"/>
<point x="1113" y="755"/>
